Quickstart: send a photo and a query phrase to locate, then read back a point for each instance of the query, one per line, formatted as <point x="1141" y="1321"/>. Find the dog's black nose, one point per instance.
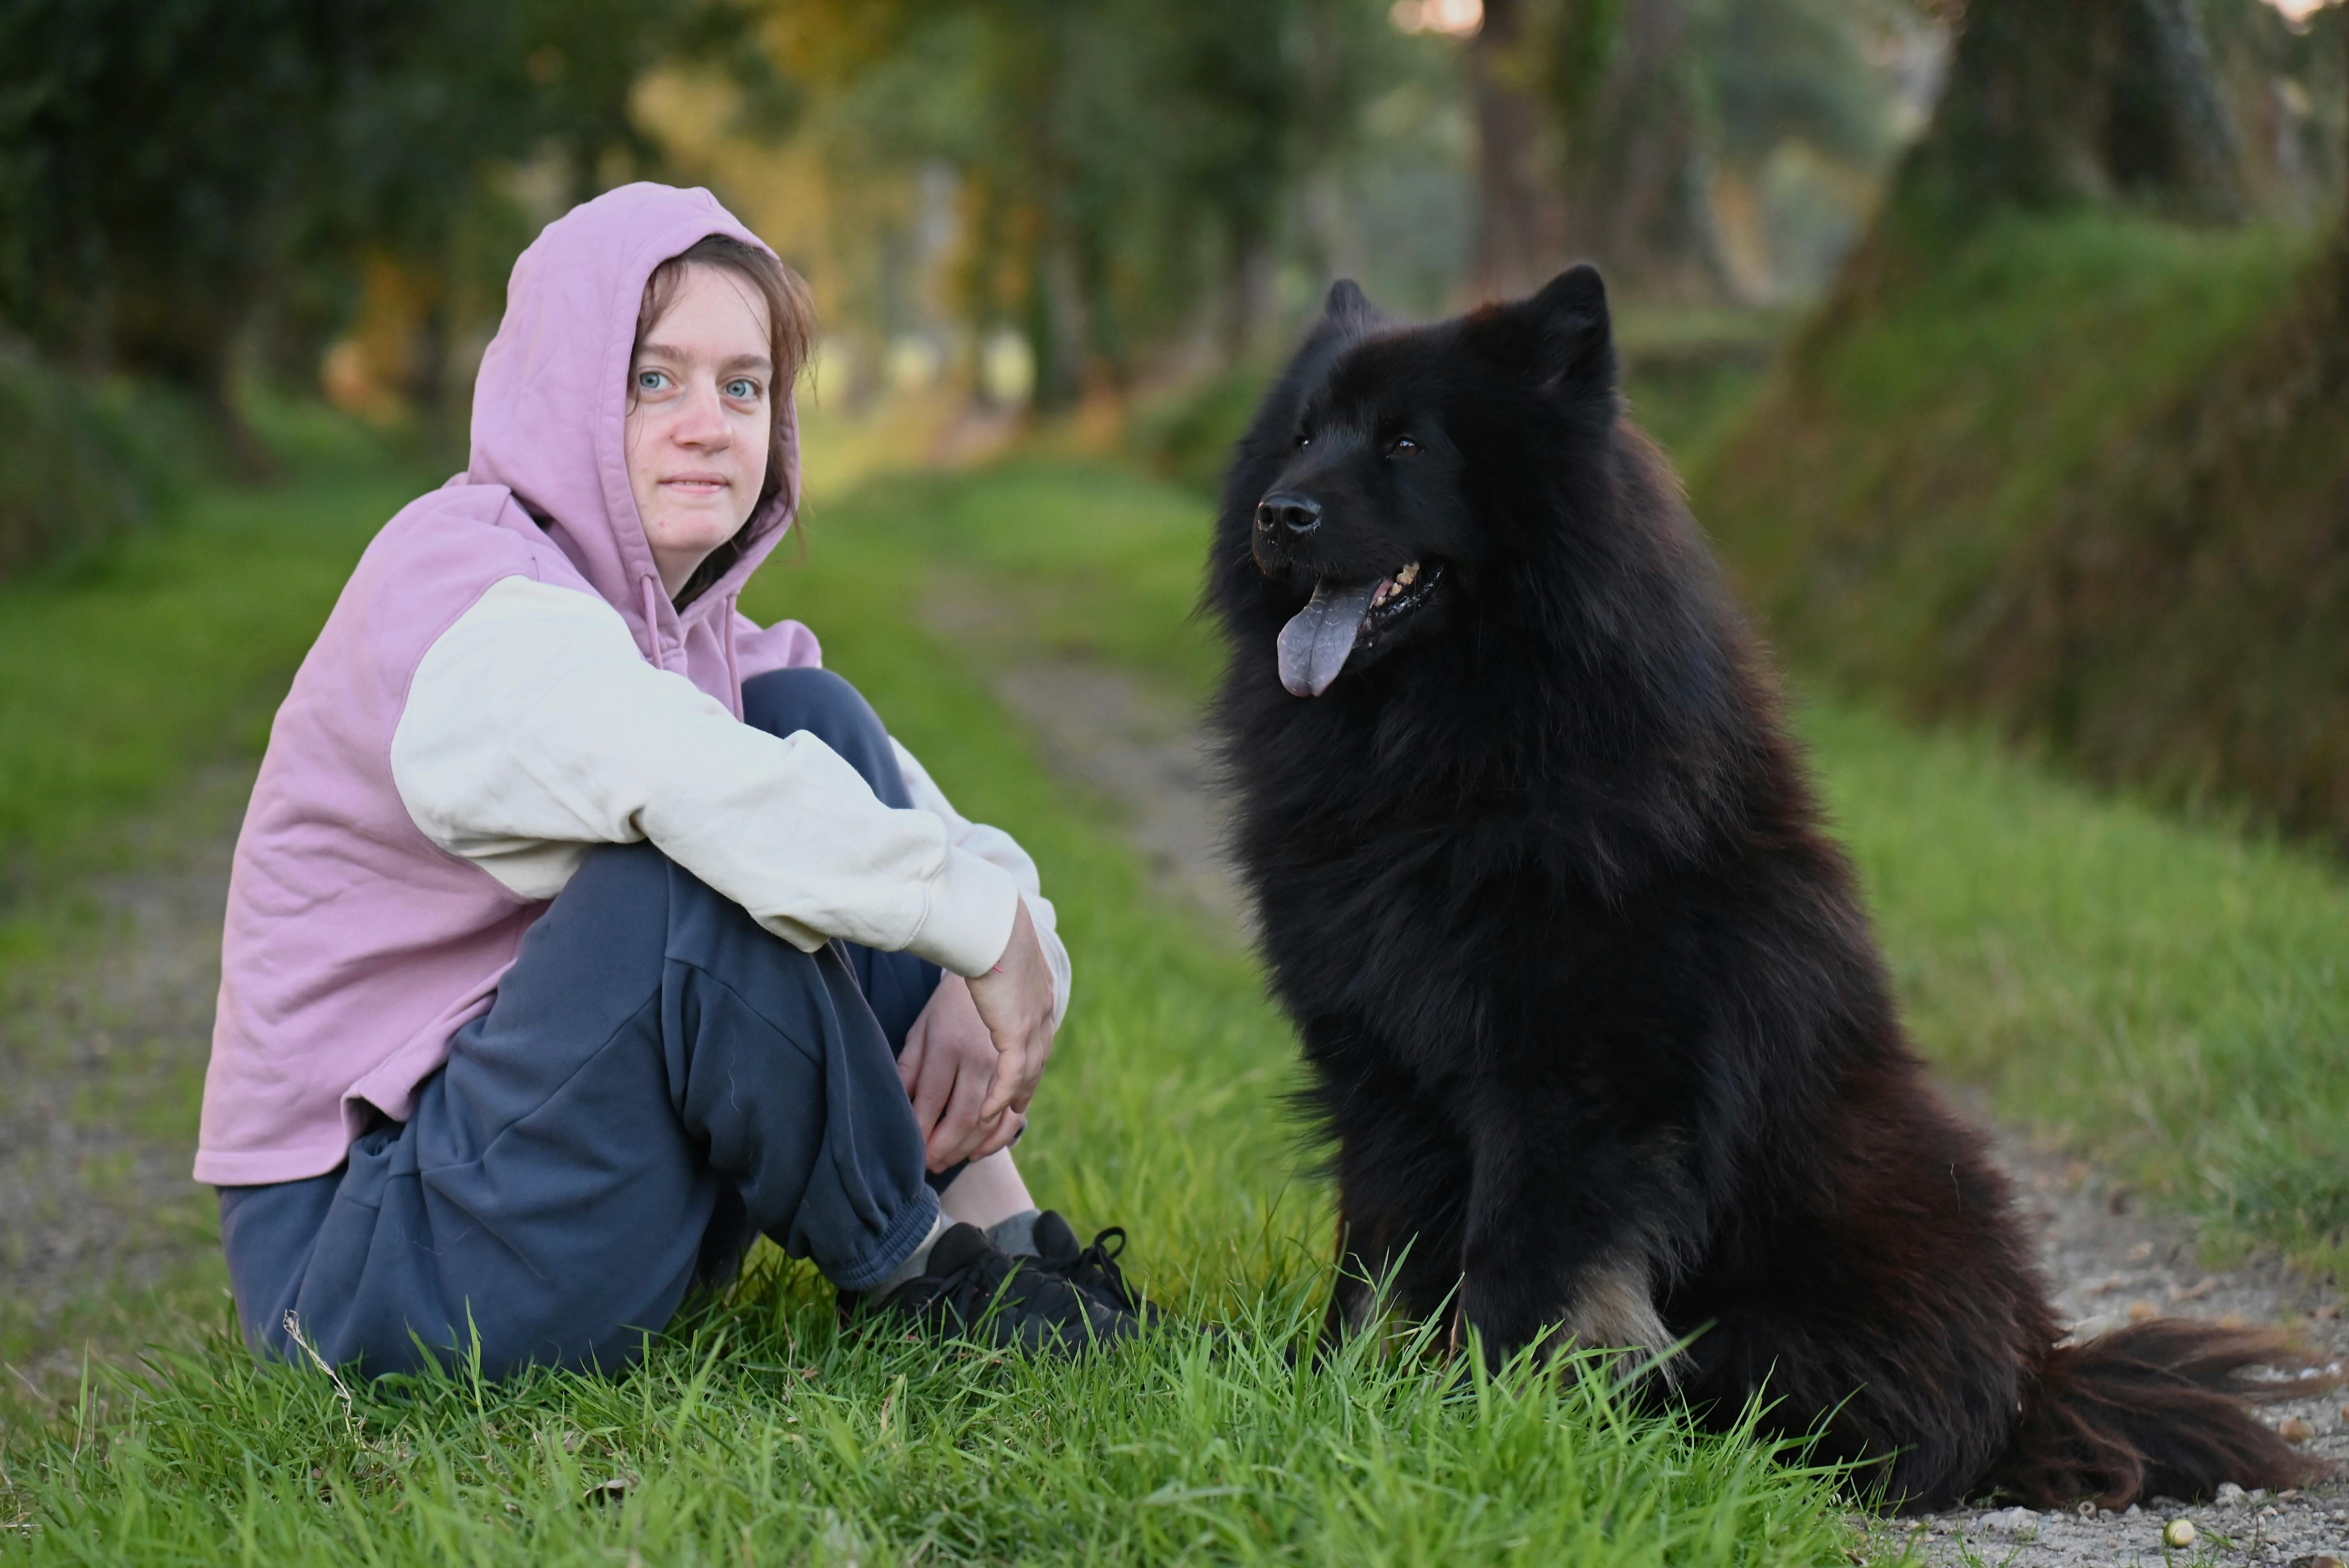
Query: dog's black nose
<point x="1289" y="513"/>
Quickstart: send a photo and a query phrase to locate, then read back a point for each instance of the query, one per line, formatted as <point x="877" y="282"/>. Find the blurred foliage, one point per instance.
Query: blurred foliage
<point x="2086" y="481"/>
<point x="1697" y="143"/>
<point x="175" y="173"/>
<point x="1121" y="171"/>
<point x="83" y="462"/>
<point x="2049" y="105"/>
<point x="2067" y="449"/>
<point x="1773" y="69"/>
<point x="2207" y="111"/>
<point x="124" y="670"/>
<point x="1126" y="186"/>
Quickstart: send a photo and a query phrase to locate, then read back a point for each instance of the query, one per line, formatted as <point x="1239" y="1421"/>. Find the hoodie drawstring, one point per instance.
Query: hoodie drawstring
<point x="652" y="620"/>
<point x="726" y="639"/>
<point x="727" y="609"/>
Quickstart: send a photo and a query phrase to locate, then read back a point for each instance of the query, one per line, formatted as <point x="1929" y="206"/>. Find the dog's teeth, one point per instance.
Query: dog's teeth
<point x="1405" y="578"/>
<point x="1379" y="597"/>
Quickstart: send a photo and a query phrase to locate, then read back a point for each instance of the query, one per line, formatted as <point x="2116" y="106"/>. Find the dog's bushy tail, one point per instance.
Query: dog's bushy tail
<point x="2155" y="1410"/>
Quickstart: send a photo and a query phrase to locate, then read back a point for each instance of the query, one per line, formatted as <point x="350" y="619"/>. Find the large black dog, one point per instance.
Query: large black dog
<point x="1595" y="1016"/>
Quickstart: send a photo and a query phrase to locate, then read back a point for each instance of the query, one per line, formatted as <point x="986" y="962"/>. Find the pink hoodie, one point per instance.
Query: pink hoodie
<point x="356" y="943"/>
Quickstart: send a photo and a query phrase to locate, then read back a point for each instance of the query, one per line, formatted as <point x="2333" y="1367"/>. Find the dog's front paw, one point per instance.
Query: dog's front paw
<point x="1614" y="1308"/>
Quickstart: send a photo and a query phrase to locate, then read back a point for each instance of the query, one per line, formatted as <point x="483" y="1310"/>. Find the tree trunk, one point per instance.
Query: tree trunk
<point x="2206" y="147"/>
<point x="1519" y="241"/>
<point x="2052" y="103"/>
<point x="1638" y="197"/>
<point x="1057" y="328"/>
<point x="1247" y="295"/>
<point x="172" y="327"/>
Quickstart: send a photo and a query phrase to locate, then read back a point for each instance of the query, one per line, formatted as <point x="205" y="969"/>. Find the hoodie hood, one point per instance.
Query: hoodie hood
<point x="550" y="411"/>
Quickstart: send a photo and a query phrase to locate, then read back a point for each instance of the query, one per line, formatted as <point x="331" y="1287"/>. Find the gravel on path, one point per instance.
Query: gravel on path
<point x="2113" y="1263"/>
<point x="104" y="1035"/>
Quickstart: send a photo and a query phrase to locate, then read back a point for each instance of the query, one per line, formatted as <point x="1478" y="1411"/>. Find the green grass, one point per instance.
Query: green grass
<point x="754" y="1433"/>
<point x="122" y="673"/>
<point x="86" y="461"/>
<point x="2167" y="994"/>
<point x="2171" y="999"/>
<point x="757" y="1436"/>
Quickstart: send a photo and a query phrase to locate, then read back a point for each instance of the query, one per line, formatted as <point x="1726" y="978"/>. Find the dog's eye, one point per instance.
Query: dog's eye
<point x="1402" y="447"/>
<point x="1304" y="440"/>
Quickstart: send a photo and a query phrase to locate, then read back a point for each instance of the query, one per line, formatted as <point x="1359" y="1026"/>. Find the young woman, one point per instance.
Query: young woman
<point x="580" y="930"/>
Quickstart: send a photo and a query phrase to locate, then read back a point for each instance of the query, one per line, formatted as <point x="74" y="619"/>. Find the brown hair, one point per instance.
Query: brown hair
<point x="790" y="333"/>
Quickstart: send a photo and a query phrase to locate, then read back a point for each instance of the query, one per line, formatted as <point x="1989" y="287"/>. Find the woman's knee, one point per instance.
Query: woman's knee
<point x="784" y="702"/>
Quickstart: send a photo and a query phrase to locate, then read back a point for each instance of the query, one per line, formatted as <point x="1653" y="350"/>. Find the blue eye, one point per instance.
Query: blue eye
<point x="650" y="380"/>
<point x="742" y="388"/>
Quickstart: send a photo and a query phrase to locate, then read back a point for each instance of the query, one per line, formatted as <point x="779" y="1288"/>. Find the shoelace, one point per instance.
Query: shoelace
<point x="1102" y="1256"/>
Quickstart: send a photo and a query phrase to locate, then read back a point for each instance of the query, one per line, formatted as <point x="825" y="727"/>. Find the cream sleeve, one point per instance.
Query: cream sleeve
<point x="997" y="848"/>
<point x="535" y="729"/>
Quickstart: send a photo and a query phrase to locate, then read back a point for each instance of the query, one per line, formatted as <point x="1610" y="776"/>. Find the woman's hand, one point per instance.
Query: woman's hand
<point x="1014" y="999"/>
<point x="948" y="1064"/>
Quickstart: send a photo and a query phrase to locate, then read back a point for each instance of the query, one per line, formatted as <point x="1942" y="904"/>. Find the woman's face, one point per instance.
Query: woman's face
<point x="700" y="414"/>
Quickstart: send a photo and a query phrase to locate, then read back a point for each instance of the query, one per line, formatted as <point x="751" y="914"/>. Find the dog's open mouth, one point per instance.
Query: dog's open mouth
<point x="1343" y="616"/>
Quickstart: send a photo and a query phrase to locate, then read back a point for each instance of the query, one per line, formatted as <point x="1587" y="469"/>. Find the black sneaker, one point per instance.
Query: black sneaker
<point x="972" y="1289"/>
<point x="1093" y="1270"/>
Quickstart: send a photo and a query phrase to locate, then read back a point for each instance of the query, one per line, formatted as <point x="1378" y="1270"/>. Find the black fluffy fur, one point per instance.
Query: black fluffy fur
<point x="1596" y="1022"/>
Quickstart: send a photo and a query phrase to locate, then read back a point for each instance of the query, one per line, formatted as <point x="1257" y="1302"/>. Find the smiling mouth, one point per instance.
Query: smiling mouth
<point x="1343" y="616"/>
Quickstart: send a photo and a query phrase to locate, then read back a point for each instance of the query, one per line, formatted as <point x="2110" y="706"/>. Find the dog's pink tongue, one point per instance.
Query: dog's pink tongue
<point x="1314" y="644"/>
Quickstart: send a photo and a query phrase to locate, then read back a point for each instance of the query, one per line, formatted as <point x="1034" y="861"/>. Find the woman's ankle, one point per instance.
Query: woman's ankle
<point x="988" y="1192"/>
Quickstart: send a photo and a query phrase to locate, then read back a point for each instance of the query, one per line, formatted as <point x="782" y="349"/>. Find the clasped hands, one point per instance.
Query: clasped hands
<point x="972" y="1060"/>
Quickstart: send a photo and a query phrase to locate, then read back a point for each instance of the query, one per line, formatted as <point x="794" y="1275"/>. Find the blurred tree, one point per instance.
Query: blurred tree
<point x="1242" y="95"/>
<point x="2055" y="102"/>
<point x="2181" y="617"/>
<point x="1807" y="103"/>
<point x="1125" y="169"/>
<point x="151" y="154"/>
<point x="1645" y="103"/>
<point x="2285" y="80"/>
<point x="2159" y="592"/>
<point x="1638" y="175"/>
<point x="167" y="166"/>
<point x="1520" y="221"/>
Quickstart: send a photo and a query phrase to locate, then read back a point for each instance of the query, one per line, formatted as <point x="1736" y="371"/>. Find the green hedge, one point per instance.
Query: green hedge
<point x="81" y="463"/>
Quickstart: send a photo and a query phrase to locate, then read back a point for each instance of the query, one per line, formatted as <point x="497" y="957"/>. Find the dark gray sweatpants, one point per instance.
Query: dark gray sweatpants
<point x="658" y="1081"/>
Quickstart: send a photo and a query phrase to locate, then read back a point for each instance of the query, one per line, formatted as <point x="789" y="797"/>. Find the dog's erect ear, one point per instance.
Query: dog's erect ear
<point x="1348" y="303"/>
<point x="1578" y="292"/>
<point x="1575" y="335"/>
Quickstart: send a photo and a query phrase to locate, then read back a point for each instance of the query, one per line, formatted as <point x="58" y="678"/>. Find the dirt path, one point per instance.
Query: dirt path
<point x="103" y="1040"/>
<point x="2110" y="1263"/>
